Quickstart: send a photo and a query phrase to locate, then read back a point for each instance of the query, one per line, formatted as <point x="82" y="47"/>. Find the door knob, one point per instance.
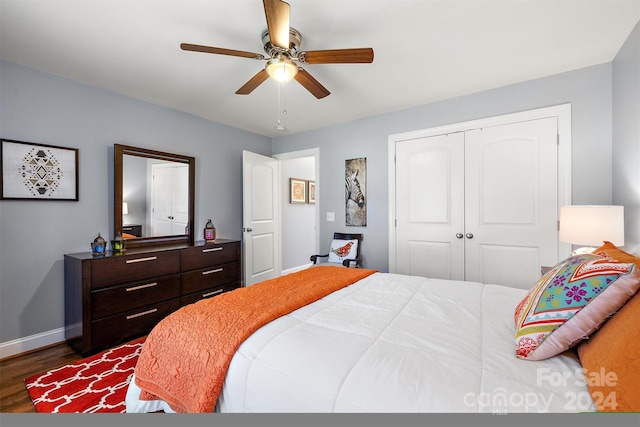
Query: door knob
<point x="459" y="235"/>
<point x="469" y="236"/>
<point x="249" y="230"/>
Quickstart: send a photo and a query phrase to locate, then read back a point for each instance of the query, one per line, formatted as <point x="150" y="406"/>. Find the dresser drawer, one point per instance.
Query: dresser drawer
<point x="198" y="280"/>
<point x="131" y="268"/>
<point x="108" y="301"/>
<point x="210" y="254"/>
<point x="113" y="329"/>
<point x="208" y="293"/>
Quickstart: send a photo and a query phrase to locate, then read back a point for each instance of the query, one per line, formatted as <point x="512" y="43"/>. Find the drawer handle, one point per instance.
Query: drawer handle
<point x="208" y="294"/>
<point x="136" y="288"/>
<point x="217" y="270"/>
<point x="151" y="258"/>
<point x="144" y="313"/>
<point x="204" y="251"/>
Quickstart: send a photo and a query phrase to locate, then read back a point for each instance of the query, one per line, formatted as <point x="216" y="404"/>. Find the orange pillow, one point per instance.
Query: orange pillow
<point x="612" y="251"/>
<point x="611" y="360"/>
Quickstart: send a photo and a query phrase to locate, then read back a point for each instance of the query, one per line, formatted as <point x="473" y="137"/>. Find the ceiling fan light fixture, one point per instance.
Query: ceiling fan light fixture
<point x="281" y="69"/>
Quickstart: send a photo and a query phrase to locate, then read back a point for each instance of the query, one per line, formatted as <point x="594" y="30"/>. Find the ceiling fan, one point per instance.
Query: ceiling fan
<point x="281" y="43"/>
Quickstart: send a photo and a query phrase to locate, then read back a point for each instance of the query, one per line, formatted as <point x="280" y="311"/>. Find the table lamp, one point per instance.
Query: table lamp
<point x="591" y="225"/>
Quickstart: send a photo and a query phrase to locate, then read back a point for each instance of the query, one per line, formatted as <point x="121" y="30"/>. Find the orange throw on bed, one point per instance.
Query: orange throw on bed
<point x="185" y="358"/>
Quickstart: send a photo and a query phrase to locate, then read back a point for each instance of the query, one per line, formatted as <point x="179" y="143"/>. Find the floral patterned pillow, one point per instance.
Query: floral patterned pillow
<point x="571" y="301"/>
<point x="343" y="249"/>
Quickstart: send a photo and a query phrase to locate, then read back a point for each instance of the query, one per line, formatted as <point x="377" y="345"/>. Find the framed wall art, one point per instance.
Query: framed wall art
<point x="38" y="171"/>
<point x="297" y="190"/>
<point x="355" y="186"/>
<point x="311" y="192"/>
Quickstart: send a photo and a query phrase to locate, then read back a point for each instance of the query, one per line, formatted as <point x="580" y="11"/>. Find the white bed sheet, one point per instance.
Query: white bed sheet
<point x="396" y="343"/>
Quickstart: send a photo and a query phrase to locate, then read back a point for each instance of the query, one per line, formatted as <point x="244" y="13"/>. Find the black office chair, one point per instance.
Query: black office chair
<point x="342" y="251"/>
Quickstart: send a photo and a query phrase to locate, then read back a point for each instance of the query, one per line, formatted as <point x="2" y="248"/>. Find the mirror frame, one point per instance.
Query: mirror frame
<point x="119" y="151"/>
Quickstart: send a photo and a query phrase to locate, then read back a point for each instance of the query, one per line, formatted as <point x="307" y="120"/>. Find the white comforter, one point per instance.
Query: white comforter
<point x="396" y="343"/>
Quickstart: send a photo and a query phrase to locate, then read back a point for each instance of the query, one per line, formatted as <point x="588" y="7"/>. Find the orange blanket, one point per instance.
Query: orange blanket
<point x="185" y="358"/>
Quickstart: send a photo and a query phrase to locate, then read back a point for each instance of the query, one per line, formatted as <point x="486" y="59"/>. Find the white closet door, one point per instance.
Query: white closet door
<point x="170" y="199"/>
<point x="511" y="202"/>
<point x="180" y="199"/>
<point x="161" y="200"/>
<point x="430" y="206"/>
<point x="479" y="205"/>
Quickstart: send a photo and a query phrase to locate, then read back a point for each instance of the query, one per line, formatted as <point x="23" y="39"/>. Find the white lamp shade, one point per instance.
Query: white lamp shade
<point x="125" y="208"/>
<point x="591" y="225"/>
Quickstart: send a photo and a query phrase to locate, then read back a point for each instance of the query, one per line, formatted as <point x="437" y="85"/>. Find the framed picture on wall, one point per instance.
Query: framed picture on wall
<point x="38" y="171"/>
<point x="297" y="190"/>
<point x="311" y="192"/>
<point x="355" y="187"/>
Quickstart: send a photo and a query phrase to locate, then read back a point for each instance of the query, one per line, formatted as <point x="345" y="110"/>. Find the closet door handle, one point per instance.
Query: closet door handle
<point x="469" y="235"/>
<point x="459" y="235"/>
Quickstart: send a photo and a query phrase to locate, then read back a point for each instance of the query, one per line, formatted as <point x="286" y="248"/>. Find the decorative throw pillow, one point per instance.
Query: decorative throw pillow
<point x="611" y="360"/>
<point x="612" y="251"/>
<point x="570" y="302"/>
<point x="343" y="249"/>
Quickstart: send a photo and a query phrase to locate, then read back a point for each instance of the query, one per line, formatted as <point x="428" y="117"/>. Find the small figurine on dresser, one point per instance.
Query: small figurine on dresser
<point x="99" y="246"/>
<point x="117" y="244"/>
<point x="209" y="232"/>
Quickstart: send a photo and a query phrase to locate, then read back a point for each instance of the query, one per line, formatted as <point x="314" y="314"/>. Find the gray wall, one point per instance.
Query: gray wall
<point x="626" y="137"/>
<point x="588" y="90"/>
<point x="34" y="235"/>
<point x="298" y="237"/>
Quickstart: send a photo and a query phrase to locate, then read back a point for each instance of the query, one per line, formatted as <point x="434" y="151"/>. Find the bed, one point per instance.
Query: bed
<point x="383" y="343"/>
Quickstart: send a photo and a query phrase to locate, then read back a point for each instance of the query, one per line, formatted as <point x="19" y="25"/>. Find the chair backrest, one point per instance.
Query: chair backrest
<point x="350" y="236"/>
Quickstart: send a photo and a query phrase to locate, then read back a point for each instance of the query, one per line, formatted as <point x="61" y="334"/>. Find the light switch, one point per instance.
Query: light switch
<point x="331" y="216"/>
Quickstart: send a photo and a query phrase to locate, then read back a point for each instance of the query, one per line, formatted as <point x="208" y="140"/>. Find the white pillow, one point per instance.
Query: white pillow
<point x="343" y="249"/>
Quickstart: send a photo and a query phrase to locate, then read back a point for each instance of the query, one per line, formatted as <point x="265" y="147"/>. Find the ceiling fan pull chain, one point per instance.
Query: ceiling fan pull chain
<point x="282" y="110"/>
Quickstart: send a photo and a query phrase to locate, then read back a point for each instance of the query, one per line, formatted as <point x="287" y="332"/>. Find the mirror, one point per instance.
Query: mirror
<point x="153" y="196"/>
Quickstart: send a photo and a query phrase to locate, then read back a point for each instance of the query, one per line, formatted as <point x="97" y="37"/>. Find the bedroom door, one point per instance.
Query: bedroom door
<point x="479" y="205"/>
<point x="260" y="221"/>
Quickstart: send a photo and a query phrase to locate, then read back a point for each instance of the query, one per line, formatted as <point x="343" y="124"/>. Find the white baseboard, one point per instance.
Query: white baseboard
<point x="21" y="345"/>
<point x="295" y="269"/>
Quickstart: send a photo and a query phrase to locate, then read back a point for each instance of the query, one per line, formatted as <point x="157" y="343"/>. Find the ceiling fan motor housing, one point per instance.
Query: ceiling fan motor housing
<point x="295" y="39"/>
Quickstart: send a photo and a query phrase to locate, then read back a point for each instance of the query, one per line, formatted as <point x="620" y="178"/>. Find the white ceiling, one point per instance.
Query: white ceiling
<point x="425" y="50"/>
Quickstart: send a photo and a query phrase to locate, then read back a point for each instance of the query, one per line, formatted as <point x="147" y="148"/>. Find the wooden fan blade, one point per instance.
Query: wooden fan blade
<point x="277" y="13"/>
<point x="311" y="84"/>
<point x="220" y="51"/>
<point x="337" y="56"/>
<point x="253" y="83"/>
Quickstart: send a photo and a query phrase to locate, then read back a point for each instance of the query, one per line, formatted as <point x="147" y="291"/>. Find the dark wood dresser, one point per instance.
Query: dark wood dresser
<point x="116" y="297"/>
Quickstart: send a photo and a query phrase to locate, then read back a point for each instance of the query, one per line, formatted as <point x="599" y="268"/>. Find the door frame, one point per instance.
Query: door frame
<point x="563" y="114"/>
<point x="291" y="155"/>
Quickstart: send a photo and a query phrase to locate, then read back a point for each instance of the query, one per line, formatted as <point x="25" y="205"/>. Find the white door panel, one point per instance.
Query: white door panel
<point x="511" y="202"/>
<point x="181" y="200"/>
<point x="496" y="265"/>
<point x="430" y="208"/>
<point x="260" y="218"/>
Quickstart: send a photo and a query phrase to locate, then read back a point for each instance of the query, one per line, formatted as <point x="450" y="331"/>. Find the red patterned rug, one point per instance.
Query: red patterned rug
<point x="95" y="384"/>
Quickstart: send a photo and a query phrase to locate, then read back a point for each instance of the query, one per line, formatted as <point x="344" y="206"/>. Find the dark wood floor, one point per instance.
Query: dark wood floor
<point x="13" y="371"/>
